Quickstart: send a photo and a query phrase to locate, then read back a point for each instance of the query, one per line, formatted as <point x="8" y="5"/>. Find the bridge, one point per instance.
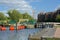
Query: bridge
<point x="47" y="24"/>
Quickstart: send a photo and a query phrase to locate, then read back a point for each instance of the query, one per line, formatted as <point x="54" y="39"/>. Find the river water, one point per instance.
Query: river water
<point x="18" y="35"/>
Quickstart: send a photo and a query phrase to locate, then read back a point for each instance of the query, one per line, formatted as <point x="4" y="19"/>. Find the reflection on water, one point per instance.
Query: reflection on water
<point x="19" y="35"/>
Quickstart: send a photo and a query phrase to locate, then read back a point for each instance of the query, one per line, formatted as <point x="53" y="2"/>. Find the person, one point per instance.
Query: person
<point x="35" y="25"/>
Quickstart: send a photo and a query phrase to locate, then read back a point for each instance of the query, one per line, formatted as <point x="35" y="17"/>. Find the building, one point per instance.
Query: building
<point x="22" y="20"/>
<point x="41" y="17"/>
<point x="48" y="16"/>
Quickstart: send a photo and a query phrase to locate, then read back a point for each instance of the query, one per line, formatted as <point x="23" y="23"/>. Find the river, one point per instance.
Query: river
<point x="19" y="35"/>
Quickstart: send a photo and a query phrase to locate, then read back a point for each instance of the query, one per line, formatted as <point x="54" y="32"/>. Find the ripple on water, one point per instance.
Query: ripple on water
<point x="19" y="35"/>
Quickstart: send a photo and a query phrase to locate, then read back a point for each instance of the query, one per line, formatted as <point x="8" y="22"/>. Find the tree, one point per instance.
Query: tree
<point x="58" y="18"/>
<point x="2" y="16"/>
<point x="8" y="18"/>
<point x="27" y="16"/>
<point x="15" y="15"/>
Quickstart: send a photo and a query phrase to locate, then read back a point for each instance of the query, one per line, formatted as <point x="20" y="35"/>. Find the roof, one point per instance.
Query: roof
<point x="12" y="22"/>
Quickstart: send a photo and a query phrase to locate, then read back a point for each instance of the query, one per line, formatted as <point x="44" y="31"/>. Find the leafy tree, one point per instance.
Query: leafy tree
<point x="58" y="18"/>
<point x="2" y="16"/>
<point x="8" y="18"/>
<point x="15" y="15"/>
<point x="27" y="16"/>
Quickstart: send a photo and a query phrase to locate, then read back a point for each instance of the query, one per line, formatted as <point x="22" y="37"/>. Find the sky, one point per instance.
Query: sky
<point x="29" y="6"/>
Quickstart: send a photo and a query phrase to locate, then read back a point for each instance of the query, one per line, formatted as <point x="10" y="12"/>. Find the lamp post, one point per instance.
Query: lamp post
<point x="33" y="13"/>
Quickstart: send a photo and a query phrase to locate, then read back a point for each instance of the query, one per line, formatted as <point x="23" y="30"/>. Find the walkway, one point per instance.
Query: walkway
<point x="57" y="33"/>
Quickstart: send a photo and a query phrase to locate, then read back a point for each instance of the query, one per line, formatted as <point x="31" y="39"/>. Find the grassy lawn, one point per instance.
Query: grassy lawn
<point x="58" y="26"/>
<point x="52" y="38"/>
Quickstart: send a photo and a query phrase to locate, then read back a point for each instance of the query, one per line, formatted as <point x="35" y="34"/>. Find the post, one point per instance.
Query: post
<point x="16" y="25"/>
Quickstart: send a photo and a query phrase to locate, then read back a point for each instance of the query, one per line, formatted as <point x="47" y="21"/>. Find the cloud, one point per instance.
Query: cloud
<point x="12" y="1"/>
<point x="5" y="12"/>
<point x="15" y="4"/>
<point x="58" y="7"/>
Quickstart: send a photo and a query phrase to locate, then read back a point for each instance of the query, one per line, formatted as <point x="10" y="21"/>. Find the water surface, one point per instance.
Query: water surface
<point x="19" y="35"/>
